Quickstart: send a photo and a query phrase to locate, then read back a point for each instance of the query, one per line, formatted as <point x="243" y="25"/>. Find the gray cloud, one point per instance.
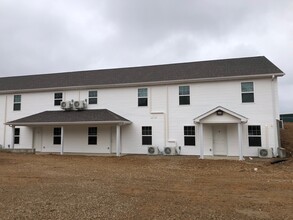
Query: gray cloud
<point x="52" y="36"/>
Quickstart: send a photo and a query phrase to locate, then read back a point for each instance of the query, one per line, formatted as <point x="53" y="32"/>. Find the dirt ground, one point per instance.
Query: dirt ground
<point x="143" y="187"/>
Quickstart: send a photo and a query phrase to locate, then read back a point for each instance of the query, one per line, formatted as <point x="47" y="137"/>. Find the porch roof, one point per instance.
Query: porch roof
<point x="213" y="111"/>
<point x="97" y="116"/>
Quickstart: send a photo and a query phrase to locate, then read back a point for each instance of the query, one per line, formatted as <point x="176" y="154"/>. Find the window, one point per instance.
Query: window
<point x="254" y="136"/>
<point x="16" y="135"/>
<point x="189" y="135"/>
<point x="247" y="92"/>
<point x="57" y="136"/>
<point x="92" y="135"/>
<point x="93" y="97"/>
<point x="17" y="103"/>
<point x="143" y="97"/>
<point x="146" y="135"/>
<point x="184" y="95"/>
<point x="58" y="97"/>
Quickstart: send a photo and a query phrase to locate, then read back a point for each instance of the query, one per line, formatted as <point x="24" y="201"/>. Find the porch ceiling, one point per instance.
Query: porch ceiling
<point x="97" y="116"/>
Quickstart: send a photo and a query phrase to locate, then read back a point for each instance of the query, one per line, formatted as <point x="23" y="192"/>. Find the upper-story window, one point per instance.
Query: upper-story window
<point x="58" y="97"/>
<point x="93" y="97"/>
<point x="184" y="95"/>
<point x="247" y="92"/>
<point x="17" y="103"/>
<point x="142" y="97"/>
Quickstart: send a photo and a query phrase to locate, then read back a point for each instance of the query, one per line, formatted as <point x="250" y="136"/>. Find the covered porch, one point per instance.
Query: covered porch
<point x="87" y="131"/>
<point x="220" y="133"/>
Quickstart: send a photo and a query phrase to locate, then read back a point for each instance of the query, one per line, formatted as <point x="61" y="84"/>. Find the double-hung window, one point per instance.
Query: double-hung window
<point x="57" y="136"/>
<point x="146" y="135"/>
<point x="58" y="97"/>
<point x="16" y="135"/>
<point x="17" y="103"/>
<point x="254" y="135"/>
<point x="142" y="97"/>
<point x="247" y="92"/>
<point x="92" y="135"/>
<point x="184" y="95"/>
<point x="93" y="97"/>
<point x="189" y="135"/>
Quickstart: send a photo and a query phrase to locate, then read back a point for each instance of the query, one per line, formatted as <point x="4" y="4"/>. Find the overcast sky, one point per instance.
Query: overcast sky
<point x="44" y="36"/>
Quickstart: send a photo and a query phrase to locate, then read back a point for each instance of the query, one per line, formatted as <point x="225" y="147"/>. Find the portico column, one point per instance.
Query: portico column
<point x="12" y="136"/>
<point x="118" y="141"/>
<point x="240" y="141"/>
<point x="62" y="140"/>
<point x="201" y="141"/>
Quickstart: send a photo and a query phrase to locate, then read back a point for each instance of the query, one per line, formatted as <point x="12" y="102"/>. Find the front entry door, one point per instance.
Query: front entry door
<point x="220" y="140"/>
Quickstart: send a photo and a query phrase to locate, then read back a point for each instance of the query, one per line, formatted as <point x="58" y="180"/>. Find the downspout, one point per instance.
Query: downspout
<point x="274" y="113"/>
<point x="5" y="120"/>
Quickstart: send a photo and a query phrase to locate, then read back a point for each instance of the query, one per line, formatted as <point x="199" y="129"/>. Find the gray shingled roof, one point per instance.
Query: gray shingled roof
<point x="97" y="116"/>
<point x="147" y="74"/>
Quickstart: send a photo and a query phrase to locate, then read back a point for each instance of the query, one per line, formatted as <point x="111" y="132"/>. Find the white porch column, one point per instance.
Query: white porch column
<point x="118" y="141"/>
<point x="12" y="136"/>
<point x="240" y="141"/>
<point x="62" y="140"/>
<point x="201" y="141"/>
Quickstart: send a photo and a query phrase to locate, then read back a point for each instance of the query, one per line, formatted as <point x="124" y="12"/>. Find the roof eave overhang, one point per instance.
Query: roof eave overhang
<point x="68" y="123"/>
<point x="213" y="79"/>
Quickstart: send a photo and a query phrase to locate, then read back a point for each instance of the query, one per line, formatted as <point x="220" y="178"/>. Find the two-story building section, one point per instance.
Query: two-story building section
<point x="221" y="107"/>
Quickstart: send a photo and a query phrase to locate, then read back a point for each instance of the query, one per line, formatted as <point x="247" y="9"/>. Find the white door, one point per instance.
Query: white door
<point x="220" y="140"/>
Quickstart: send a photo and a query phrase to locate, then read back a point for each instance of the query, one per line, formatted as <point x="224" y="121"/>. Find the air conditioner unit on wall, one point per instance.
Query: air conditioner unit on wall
<point x="265" y="152"/>
<point x="80" y="105"/>
<point x="66" y="105"/>
<point x="152" y="150"/>
<point x="169" y="151"/>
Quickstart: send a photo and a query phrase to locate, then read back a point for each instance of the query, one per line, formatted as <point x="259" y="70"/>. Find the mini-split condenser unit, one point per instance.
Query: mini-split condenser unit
<point x="66" y="105"/>
<point x="265" y="152"/>
<point x="152" y="150"/>
<point x="79" y="105"/>
<point x="169" y="151"/>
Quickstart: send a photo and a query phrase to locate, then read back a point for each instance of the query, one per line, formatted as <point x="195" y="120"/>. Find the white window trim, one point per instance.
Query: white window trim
<point x="14" y="102"/>
<point x="253" y="91"/>
<point x="189" y="135"/>
<point x="58" y="98"/>
<point x="92" y="97"/>
<point x="184" y="95"/>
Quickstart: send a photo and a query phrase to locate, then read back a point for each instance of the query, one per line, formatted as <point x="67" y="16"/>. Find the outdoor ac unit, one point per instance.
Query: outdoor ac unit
<point x="66" y="105"/>
<point x="152" y="150"/>
<point x="265" y="152"/>
<point x="79" y="105"/>
<point x="169" y="151"/>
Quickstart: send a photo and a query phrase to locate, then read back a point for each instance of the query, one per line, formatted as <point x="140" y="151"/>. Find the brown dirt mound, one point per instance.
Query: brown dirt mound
<point x="287" y="138"/>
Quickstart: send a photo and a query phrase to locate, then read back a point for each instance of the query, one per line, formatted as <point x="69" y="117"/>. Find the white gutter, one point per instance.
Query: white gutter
<point x="5" y="120"/>
<point x="68" y="123"/>
<point x="120" y="85"/>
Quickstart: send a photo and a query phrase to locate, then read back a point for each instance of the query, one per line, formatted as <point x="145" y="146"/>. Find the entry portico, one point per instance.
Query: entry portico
<point x="216" y="127"/>
<point x="77" y="124"/>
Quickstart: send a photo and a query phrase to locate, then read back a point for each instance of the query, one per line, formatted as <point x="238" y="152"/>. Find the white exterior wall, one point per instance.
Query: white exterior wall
<point x="163" y="113"/>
